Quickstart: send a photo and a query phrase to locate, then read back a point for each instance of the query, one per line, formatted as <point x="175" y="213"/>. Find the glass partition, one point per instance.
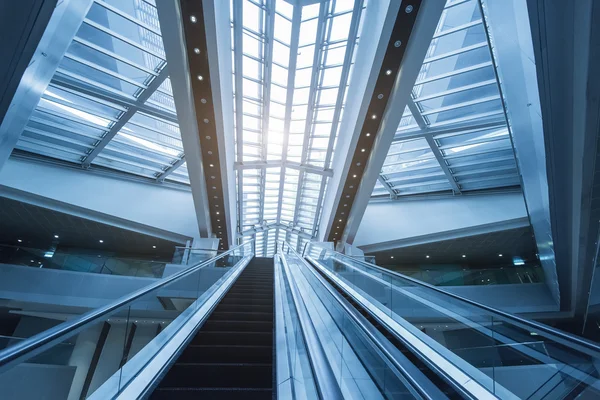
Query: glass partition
<point x="112" y="343"/>
<point x="492" y="347"/>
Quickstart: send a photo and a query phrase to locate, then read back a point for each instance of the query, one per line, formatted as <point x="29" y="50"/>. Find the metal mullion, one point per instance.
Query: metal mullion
<point x="73" y="119"/>
<point x="114" y="55"/>
<point x="91" y="82"/>
<point x="478" y="141"/>
<point x="128" y="17"/>
<point x="76" y="106"/>
<point x="291" y="79"/>
<point x="429" y="157"/>
<point x="453" y="128"/>
<point x="454" y="73"/>
<point x="491" y="178"/>
<point x="62" y="127"/>
<point x="439" y="173"/>
<point x="422" y="122"/>
<point x="488" y="169"/>
<point x="105" y="70"/>
<point x="315" y="77"/>
<point x="148" y="149"/>
<point x="456" y="52"/>
<point x="407" y="151"/>
<point x="491" y="151"/>
<point x="123" y="38"/>
<point x="116" y="106"/>
<point x="51" y="145"/>
<point x="466" y="119"/>
<point x="125" y="101"/>
<point x="417" y="184"/>
<point x="126" y="116"/>
<point x="461" y="105"/>
<point x="387" y="187"/>
<point x="161" y="177"/>
<point x="455" y="90"/>
<point x="255" y="80"/>
<point x="163" y="133"/>
<point x="132" y="163"/>
<point x="457" y="28"/>
<point x="131" y="153"/>
<point x="57" y="137"/>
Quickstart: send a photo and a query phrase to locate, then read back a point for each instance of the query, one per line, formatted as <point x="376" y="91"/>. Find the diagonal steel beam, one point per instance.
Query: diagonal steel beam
<point x="420" y="120"/>
<point x="295" y="39"/>
<point x="60" y="31"/>
<point x="161" y="177"/>
<point x="238" y="15"/>
<point x="145" y="95"/>
<point x="387" y="187"/>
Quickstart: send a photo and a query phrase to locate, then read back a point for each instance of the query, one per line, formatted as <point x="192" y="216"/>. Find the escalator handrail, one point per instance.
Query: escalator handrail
<point x="42" y="340"/>
<point x="324" y="376"/>
<point x="424" y="389"/>
<point x="522" y="321"/>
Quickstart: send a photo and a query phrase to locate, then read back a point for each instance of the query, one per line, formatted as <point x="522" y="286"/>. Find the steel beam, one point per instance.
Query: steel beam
<point x="416" y="49"/>
<point x="60" y="31"/>
<point x="169" y="14"/>
<point x="126" y="116"/>
<point x="238" y="36"/>
<point x="161" y="177"/>
<point x="388" y="187"/>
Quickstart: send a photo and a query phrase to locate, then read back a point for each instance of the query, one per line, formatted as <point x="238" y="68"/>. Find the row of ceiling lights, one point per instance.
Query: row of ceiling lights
<point x="408" y="9"/>
<point x="200" y="77"/>
<point x="57" y="236"/>
<point x="463" y="256"/>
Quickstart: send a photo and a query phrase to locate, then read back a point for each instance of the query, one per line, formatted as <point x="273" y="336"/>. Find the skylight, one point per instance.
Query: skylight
<point x="291" y="66"/>
<point x="453" y="135"/>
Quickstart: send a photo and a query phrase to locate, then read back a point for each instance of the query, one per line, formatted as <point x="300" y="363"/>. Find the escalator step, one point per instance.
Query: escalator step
<point x="242" y="316"/>
<point x="243" y="308"/>
<point x="219" y="375"/>
<point x="226" y="354"/>
<point x="238" y="326"/>
<point x="212" y="393"/>
<point x="234" y="338"/>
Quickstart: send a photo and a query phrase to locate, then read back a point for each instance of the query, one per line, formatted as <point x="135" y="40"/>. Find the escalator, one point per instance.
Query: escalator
<point x="231" y="357"/>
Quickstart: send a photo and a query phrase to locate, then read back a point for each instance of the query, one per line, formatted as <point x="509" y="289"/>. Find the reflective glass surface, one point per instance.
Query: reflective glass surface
<point x="111" y="92"/>
<point x="454" y="136"/>
<point x="291" y="66"/>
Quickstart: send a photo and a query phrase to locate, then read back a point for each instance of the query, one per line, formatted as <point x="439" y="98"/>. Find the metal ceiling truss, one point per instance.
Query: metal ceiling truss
<point x="239" y="99"/>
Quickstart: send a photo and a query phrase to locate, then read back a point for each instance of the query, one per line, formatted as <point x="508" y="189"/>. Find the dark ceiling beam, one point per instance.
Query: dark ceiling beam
<point x="169" y="14"/>
<point x="405" y="46"/>
<point x="31" y="61"/>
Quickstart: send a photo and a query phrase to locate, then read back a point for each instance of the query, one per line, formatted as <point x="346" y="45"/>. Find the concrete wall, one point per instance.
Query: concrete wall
<point x="402" y="223"/>
<point x="37" y="381"/>
<point x="143" y="205"/>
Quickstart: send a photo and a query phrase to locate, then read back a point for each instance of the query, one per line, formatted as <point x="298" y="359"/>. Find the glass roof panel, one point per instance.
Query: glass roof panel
<point x="456" y="92"/>
<point x="117" y="53"/>
<point x="296" y="107"/>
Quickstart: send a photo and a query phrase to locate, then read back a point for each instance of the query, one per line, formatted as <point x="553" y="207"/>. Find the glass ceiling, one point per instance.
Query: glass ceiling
<point x="453" y="135"/>
<point x="291" y="67"/>
<point x="110" y="103"/>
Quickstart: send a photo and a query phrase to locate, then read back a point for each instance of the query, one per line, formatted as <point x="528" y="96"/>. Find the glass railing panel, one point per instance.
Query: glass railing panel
<point x="191" y="256"/>
<point x="113" y="346"/>
<point x="502" y="347"/>
<point x="362" y="370"/>
<point x="81" y="262"/>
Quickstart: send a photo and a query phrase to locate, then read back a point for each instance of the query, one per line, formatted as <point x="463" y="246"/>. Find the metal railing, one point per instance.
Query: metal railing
<point x="559" y="336"/>
<point x="46" y="339"/>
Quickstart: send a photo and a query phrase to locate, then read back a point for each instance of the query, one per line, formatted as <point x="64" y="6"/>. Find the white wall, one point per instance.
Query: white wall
<point x="412" y="222"/>
<point x="143" y="205"/>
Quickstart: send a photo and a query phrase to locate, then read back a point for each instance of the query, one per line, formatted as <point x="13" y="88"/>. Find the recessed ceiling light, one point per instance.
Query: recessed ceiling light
<point x="193" y="19"/>
<point x="211" y="165"/>
<point x="55" y="236"/>
<point x="499" y="255"/>
<point x="196" y="50"/>
<point x="153" y="247"/>
<point x="388" y="72"/>
<point x="464" y="256"/>
<point x="363" y="150"/>
<point x="373" y="116"/>
<point x="19" y="240"/>
<point x="217" y="213"/>
<point x="32" y="261"/>
<point x="200" y="77"/>
<point x="354" y="176"/>
<point x="101" y="241"/>
<point x="392" y="257"/>
<point x="427" y="256"/>
<point x="340" y="220"/>
<point x="368" y="134"/>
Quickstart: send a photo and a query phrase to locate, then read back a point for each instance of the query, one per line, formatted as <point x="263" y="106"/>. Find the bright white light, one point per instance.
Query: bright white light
<point x="81" y="114"/>
<point x="427" y="256"/>
<point x="19" y="240"/>
<point x="101" y="241"/>
<point x="464" y="256"/>
<point x="55" y="236"/>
